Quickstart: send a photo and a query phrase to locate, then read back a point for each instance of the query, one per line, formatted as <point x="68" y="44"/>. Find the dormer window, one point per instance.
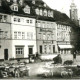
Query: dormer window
<point x="27" y="9"/>
<point x="37" y="11"/>
<point x="49" y="13"/>
<point x="45" y="12"/>
<point x="15" y="8"/>
<point x="44" y="5"/>
<point x="41" y="12"/>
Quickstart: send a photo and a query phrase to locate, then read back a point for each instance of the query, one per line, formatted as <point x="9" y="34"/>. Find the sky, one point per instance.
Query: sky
<point x="63" y="5"/>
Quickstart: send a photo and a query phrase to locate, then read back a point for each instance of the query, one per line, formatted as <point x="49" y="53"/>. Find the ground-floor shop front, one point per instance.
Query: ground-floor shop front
<point x="46" y="47"/>
<point x="65" y="48"/>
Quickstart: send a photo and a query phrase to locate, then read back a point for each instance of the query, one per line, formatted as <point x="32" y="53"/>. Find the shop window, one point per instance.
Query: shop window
<point x="51" y="14"/>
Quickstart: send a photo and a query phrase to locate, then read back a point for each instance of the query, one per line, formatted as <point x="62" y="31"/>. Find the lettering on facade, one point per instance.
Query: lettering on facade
<point x="50" y="42"/>
<point x="45" y="30"/>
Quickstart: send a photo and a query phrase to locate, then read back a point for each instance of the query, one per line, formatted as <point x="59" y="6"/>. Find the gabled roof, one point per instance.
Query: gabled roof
<point x="58" y="16"/>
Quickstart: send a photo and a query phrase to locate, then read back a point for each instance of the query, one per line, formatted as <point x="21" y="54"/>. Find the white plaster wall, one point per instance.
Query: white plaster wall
<point x="24" y="43"/>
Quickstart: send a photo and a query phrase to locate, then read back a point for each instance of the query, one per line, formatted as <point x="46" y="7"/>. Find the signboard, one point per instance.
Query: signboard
<point x="45" y="30"/>
<point x="47" y="41"/>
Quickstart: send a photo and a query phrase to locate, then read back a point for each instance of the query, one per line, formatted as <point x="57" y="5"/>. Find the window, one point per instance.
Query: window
<point x="0" y="18"/>
<point x="27" y="21"/>
<point x="15" y="35"/>
<point x="37" y="11"/>
<point x="23" y="35"/>
<point x="43" y="25"/>
<point x="45" y="12"/>
<point x="6" y="34"/>
<point x="29" y="35"/>
<point x="19" y="50"/>
<point x="4" y="18"/>
<point x="19" y="20"/>
<point x="49" y="48"/>
<point x="19" y="35"/>
<point x="44" y="36"/>
<point x="49" y="13"/>
<point x="41" y="12"/>
<point x="30" y="21"/>
<point x="40" y="36"/>
<point x="39" y="25"/>
<point x="45" y="48"/>
<point x="27" y="9"/>
<point x="15" y="19"/>
<point x="15" y="8"/>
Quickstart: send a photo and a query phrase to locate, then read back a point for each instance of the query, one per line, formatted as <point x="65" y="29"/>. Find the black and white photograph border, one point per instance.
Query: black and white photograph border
<point x="40" y="39"/>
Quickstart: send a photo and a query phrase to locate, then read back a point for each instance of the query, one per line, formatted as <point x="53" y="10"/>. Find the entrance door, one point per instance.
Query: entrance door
<point x="30" y="50"/>
<point x="5" y="54"/>
<point x="40" y="49"/>
<point x="53" y="48"/>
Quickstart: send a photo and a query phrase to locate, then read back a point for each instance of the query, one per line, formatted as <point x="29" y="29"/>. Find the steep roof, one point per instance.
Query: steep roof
<point x="58" y="16"/>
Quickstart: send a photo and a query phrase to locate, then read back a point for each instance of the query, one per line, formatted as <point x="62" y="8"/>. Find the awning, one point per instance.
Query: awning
<point x="66" y="46"/>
